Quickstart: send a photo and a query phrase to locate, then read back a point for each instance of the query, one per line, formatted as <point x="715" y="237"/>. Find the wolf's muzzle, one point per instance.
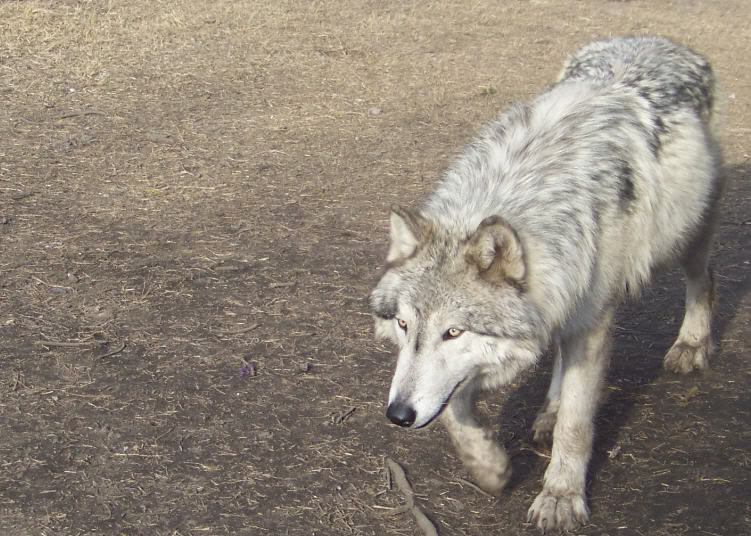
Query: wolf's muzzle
<point x="401" y="414"/>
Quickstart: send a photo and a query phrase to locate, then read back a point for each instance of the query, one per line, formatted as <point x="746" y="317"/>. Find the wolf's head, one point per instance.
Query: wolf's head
<point x="457" y="309"/>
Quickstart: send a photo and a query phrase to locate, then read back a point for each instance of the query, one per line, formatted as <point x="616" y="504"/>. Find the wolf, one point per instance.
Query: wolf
<point x="558" y="210"/>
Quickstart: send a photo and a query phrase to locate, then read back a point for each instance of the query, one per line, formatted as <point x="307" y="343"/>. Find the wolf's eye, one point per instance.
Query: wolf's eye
<point x="452" y="333"/>
<point x="402" y="323"/>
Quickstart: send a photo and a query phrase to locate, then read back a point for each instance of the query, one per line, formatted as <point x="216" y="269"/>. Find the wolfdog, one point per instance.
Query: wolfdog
<point x="558" y="210"/>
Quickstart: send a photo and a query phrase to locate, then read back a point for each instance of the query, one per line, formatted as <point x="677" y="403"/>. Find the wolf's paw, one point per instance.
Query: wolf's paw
<point x="488" y="464"/>
<point x="492" y="479"/>
<point x="683" y="357"/>
<point x="551" y="512"/>
<point x="543" y="427"/>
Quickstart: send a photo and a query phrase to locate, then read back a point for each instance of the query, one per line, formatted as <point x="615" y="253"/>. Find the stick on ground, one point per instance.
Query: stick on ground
<point x="399" y="477"/>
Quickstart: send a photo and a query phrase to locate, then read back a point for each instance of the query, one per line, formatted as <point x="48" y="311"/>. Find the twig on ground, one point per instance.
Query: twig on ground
<point x="63" y="344"/>
<point x="540" y="453"/>
<point x="242" y="330"/>
<point x="160" y="436"/>
<point x="403" y="509"/>
<point x="49" y="284"/>
<point x="282" y="285"/>
<point x="339" y="419"/>
<point x="399" y="477"/>
<point x="21" y="195"/>
<point x="79" y="114"/>
<point x="18" y="383"/>
<point x="113" y="352"/>
<point x="425" y="524"/>
<point x="475" y="487"/>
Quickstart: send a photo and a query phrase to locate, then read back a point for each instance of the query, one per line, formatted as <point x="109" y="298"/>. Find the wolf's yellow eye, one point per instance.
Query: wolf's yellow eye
<point x="402" y="323"/>
<point x="453" y="333"/>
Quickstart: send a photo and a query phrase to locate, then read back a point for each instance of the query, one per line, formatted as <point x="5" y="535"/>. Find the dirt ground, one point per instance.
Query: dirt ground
<point x="193" y="208"/>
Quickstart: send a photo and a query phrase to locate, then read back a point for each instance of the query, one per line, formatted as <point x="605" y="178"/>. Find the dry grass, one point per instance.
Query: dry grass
<point x="206" y="184"/>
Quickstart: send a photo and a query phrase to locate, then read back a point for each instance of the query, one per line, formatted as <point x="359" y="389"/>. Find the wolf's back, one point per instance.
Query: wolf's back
<point x="670" y="76"/>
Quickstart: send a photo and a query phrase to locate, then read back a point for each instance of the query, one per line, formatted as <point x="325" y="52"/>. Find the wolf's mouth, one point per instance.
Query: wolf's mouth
<point x="441" y="407"/>
<point x="434" y="417"/>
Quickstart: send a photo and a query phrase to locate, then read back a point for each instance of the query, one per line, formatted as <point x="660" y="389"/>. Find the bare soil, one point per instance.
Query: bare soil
<point x="193" y="208"/>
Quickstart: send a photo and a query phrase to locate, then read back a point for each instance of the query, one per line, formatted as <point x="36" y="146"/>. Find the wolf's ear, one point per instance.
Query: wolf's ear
<point x="495" y="249"/>
<point x="408" y="230"/>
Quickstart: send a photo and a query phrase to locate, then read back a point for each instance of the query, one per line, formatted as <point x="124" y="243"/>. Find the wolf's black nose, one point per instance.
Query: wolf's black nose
<point x="401" y="414"/>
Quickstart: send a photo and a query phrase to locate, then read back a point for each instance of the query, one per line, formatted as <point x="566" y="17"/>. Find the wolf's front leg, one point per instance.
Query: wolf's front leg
<point x="481" y="454"/>
<point x="562" y="504"/>
<point x="546" y="417"/>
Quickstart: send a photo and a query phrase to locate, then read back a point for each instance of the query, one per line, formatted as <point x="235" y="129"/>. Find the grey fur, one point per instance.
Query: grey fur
<point x="555" y="212"/>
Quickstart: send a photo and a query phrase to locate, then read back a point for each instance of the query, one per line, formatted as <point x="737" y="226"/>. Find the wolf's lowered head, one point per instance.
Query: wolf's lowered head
<point x="457" y="308"/>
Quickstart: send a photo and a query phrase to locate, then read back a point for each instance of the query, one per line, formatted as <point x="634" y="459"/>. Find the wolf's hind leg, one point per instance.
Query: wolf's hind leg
<point x="480" y="453"/>
<point x="562" y="504"/>
<point x="694" y="344"/>
<point x="545" y="420"/>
